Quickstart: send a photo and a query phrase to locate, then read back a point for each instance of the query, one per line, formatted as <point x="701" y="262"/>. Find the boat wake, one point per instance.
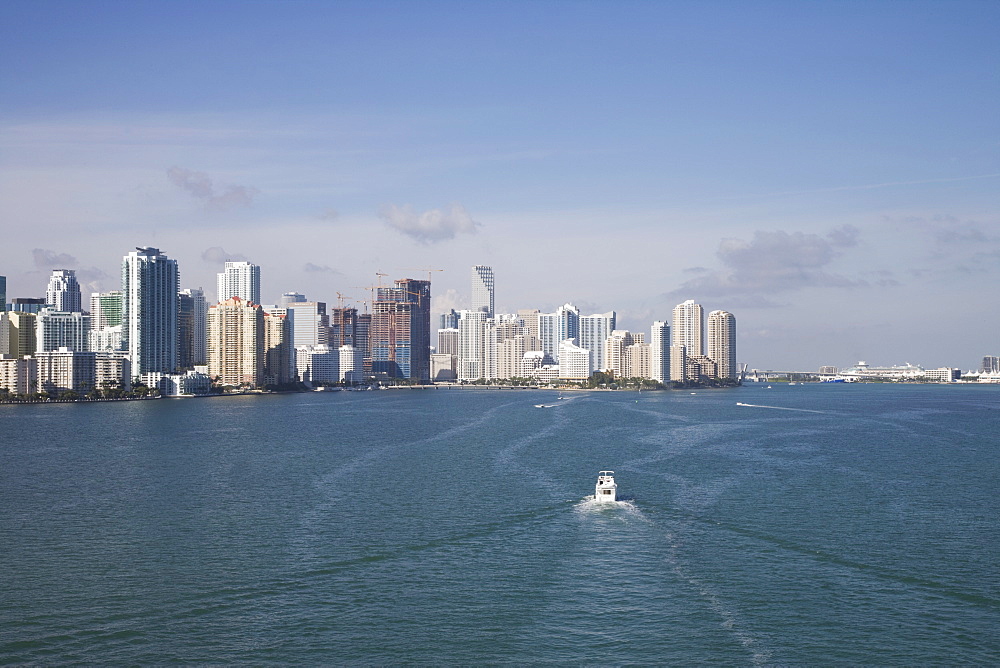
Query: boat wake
<point x="778" y="408"/>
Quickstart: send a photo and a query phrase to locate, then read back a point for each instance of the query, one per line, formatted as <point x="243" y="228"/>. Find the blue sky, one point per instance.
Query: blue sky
<point x="829" y="172"/>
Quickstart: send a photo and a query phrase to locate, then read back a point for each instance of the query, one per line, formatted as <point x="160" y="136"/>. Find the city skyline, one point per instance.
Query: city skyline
<point x="827" y="172"/>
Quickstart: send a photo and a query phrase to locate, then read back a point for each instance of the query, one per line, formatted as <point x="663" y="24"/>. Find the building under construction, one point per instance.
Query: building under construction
<point x="400" y="334"/>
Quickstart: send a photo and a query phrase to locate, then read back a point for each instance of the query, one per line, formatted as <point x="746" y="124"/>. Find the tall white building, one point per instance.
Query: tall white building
<point x="574" y="361"/>
<point x="318" y="364"/>
<point x="63" y="292"/>
<point x="659" y="351"/>
<point x="615" y="359"/>
<point x="594" y="331"/>
<point x="310" y="323"/>
<point x="482" y="289"/>
<point x="554" y="328"/>
<point x="722" y="342"/>
<point x="62" y="329"/>
<point x="689" y="327"/>
<point x="239" y="279"/>
<point x="472" y="341"/>
<point x="149" y="310"/>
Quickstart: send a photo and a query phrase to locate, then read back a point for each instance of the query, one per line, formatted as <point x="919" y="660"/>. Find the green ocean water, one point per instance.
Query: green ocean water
<point x="820" y="525"/>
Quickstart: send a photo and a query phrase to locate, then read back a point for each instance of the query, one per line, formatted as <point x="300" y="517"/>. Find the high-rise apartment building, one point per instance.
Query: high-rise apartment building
<point x="991" y="364"/>
<point x="574" y="361"/>
<point x="615" y="359"/>
<point x="239" y="279"/>
<point x="689" y="327"/>
<point x="482" y="289"/>
<point x="63" y="292"/>
<point x="659" y="351"/>
<point x="3" y="294"/>
<point x="400" y="333"/>
<point x="149" y="311"/>
<point x="449" y="320"/>
<point x="236" y="343"/>
<point x="62" y="329"/>
<point x="553" y="328"/>
<point x="279" y="353"/>
<point x="594" y="331"/>
<point x="105" y="309"/>
<point x="472" y="344"/>
<point x="722" y="343"/>
<point x="192" y="326"/>
<point x="22" y="336"/>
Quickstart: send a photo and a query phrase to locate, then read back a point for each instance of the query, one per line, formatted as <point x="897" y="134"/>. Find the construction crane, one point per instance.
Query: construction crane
<point x="340" y="299"/>
<point x="380" y="275"/>
<point x="419" y="269"/>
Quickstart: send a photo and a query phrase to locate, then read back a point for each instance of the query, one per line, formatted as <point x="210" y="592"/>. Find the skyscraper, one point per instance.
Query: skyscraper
<point x="236" y="343"/>
<point x="594" y="332"/>
<point x="192" y="327"/>
<point x="149" y="310"/>
<point x="689" y="327"/>
<point x="482" y="289"/>
<point x="63" y="292"/>
<point x="400" y="334"/>
<point x="722" y="342"/>
<point x="553" y="328"/>
<point x="240" y="279"/>
<point x="659" y="353"/>
<point x="3" y="294"/>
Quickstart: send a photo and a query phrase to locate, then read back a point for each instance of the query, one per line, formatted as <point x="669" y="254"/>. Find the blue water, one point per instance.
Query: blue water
<point x="825" y="524"/>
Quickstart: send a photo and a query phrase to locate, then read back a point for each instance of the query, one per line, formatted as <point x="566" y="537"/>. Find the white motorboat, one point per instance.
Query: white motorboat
<point x="606" y="489"/>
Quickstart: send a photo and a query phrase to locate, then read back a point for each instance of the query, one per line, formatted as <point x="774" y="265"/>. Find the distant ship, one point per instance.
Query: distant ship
<point x="606" y="489"/>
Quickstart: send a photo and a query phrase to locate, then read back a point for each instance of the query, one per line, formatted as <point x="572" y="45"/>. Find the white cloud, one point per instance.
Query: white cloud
<point x="430" y="226"/>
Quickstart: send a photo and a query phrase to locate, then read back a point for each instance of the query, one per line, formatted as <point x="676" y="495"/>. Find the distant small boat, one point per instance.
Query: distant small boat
<point x="542" y="406"/>
<point x="606" y="489"/>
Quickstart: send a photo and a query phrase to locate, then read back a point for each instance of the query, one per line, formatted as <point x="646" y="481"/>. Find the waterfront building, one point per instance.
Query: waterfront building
<point x="149" y="310"/>
<point x="722" y="343"/>
<point x="192" y="328"/>
<point x="239" y="279"/>
<point x="279" y="350"/>
<point x="594" y="332"/>
<point x="574" y="361"/>
<point x="18" y="375"/>
<point x="638" y="360"/>
<point x="351" y="365"/>
<point x="828" y="370"/>
<point x="614" y="357"/>
<point x="63" y="292"/>
<point x="236" y="343"/>
<point x="400" y="335"/>
<point x="443" y="367"/>
<point x="191" y="382"/>
<point x="472" y="343"/>
<point x="700" y="367"/>
<point x="66" y="370"/>
<point x="659" y="351"/>
<point x="319" y="364"/>
<point x="4" y="333"/>
<point x="678" y="363"/>
<point x="482" y="289"/>
<point x="59" y="329"/>
<point x="689" y="327"/>
<point x="447" y="341"/>
<point x="991" y="364"/>
<point x="553" y="328"/>
<point x="21" y="333"/>
<point x="310" y="323"/>
<point x="943" y="374"/>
